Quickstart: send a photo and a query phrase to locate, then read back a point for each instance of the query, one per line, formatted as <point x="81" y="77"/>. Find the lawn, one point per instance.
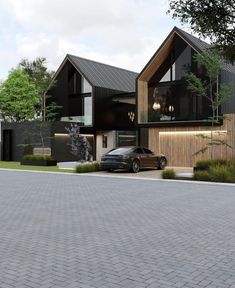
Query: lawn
<point x="16" y="165"/>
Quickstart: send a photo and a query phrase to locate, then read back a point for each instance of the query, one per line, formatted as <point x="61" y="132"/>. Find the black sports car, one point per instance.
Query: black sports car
<point x="133" y="159"/>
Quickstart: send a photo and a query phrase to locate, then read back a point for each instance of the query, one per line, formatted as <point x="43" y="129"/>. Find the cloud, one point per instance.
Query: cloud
<point x="124" y="33"/>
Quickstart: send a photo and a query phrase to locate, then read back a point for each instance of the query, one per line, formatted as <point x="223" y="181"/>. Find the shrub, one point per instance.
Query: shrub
<point x="85" y="168"/>
<point x="169" y="174"/>
<point x="206" y="164"/>
<point x="217" y="173"/>
<point x="222" y="173"/>
<point x="37" y="157"/>
<point x="201" y="176"/>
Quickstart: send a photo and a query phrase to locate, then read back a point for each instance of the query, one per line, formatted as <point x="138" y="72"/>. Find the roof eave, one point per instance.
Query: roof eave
<point x="177" y="31"/>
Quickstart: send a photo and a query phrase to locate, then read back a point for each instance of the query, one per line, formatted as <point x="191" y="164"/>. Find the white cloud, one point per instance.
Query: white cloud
<point x="124" y="33"/>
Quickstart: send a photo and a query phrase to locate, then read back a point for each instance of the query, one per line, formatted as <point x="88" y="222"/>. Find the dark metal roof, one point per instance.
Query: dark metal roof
<point x="103" y="75"/>
<point x="194" y="42"/>
<point x="200" y="46"/>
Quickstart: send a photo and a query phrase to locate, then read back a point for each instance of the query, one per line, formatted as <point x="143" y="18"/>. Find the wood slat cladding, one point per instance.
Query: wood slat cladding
<point x="156" y="62"/>
<point x="142" y="101"/>
<point x="180" y="146"/>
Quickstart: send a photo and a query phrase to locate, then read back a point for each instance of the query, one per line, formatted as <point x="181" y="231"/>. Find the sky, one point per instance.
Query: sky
<point x="123" y="33"/>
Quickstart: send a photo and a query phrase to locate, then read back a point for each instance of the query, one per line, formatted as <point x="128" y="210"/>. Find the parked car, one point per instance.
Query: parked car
<point x="132" y="158"/>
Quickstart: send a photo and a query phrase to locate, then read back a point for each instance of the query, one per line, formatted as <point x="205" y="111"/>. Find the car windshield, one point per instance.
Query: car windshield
<point x="119" y="151"/>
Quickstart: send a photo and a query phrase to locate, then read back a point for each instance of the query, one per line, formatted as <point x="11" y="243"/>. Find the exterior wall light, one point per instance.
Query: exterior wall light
<point x="61" y="135"/>
<point x="131" y="115"/>
<point x="219" y="132"/>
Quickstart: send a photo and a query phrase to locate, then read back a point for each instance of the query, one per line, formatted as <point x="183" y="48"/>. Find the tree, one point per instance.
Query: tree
<point x="216" y="94"/>
<point x="18" y="97"/>
<point x="214" y="19"/>
<point x="79" y="144"/>
<point x="42" y="78"/>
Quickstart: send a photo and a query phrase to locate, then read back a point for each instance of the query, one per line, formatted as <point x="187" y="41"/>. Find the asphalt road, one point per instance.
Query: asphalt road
<point x="79" y="231"/>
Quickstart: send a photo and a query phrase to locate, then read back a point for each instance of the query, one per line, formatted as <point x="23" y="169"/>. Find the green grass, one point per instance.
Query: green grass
<point x="16" y="165"/>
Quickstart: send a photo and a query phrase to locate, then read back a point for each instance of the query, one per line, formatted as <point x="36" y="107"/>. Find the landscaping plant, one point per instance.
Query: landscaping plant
<point x="218" y="170"/>
<point x="90" y="167"/>
<point x="37" y="157"/>
<point x="216" y="94"/>
<point x="169" y="174"/>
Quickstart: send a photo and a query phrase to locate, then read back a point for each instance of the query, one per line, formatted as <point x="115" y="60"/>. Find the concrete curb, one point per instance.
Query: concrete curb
<point x="122" y="177"/>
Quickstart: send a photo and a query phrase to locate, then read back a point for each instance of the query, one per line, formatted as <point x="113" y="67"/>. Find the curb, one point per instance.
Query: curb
<point x="123" y="177"/>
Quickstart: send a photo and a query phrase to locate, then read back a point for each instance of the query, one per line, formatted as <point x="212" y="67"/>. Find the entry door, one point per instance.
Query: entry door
<point x="7" y="145"/>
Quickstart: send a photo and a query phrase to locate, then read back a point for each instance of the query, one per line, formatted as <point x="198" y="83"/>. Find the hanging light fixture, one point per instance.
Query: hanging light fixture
<point x="156" y="106"/>
<point x="171" y="108"/>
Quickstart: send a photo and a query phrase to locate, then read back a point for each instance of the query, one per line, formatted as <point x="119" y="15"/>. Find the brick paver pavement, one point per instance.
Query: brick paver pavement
<point x="81" y="232"/>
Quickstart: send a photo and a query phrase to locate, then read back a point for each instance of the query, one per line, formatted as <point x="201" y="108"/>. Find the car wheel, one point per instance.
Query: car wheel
<point x="135" y="166"/>
<point x="162" y="163"/>
<point x="110" y="170"/>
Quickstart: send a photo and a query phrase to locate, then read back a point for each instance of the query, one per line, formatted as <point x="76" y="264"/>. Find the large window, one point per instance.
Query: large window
<point x="173" y="102"/>
<point x="168" y="96"/>
<point x="80" y="99"/>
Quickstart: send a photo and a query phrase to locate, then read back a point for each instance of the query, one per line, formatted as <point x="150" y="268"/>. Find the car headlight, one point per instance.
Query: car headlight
<point x="125" y="156"/>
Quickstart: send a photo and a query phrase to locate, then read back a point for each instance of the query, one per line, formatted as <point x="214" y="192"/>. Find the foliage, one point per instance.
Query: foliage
<point x="213" y="19"/>
<point x="222" y="173"/>
<point x="219" y="173"/>
<point x="37" y="157"/>
<point x="169" y="174"/>
<point x="18" y="97"/>
<point x="218" y="94"/>
<point x="206" y="164"/>
<point x="79" y="145"/>
<point x="23" y="95"/>
<point x="211" y="90"/>
<point x="42" y="78"/>
<point x="201" y="176"/>
<point x="218" y="170"/>
<point x="85" y="168"/>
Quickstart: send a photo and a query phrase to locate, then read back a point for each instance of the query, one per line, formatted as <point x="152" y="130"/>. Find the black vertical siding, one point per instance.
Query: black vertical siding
<point x="110" y="115"/>
<point x="229" y="78"/>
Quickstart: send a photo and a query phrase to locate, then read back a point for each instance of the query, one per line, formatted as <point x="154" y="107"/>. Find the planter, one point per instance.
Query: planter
<point x="39" y="162"/>
<point x="199" y="169"/>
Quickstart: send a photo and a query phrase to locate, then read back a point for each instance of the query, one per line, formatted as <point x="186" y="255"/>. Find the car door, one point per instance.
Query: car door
<point x="141" y="156"/>
<point x="151" y="159"/>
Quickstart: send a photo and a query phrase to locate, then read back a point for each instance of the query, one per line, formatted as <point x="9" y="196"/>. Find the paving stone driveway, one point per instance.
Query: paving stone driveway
<point x="79" y="231"/>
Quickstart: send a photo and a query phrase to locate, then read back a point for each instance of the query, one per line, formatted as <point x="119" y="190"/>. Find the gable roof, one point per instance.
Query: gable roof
<point x="103" y="75"/>
<point x="196" y="43"/>
<point x="201" y="46"/>
<point x="193" y="41"/>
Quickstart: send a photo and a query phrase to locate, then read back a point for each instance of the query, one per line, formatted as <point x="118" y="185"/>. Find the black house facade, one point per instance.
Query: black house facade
<point x="172" y="114"/>
<point x="100" y="98"/>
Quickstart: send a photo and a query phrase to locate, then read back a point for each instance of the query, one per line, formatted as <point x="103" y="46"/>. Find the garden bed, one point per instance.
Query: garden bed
<point x="38" y="162"/>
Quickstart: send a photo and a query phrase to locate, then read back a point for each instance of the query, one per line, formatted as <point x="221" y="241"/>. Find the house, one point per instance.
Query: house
<point x="100" y="98"/>
<point x="171" y="114"/>
<point x="116" y="107"/>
